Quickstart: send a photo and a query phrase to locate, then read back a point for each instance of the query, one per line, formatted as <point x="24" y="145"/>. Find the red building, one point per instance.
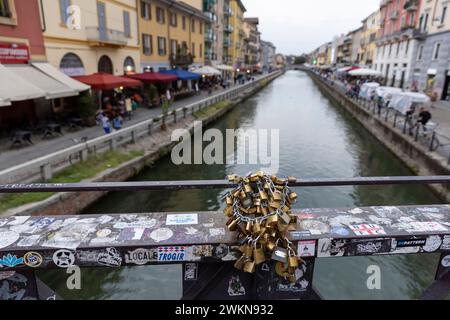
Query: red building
<point x="397" y="40"/>
<point x="20" y="27"/>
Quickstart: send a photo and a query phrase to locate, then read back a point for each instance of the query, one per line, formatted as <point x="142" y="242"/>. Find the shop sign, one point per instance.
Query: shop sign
<point x="14" y="53"/>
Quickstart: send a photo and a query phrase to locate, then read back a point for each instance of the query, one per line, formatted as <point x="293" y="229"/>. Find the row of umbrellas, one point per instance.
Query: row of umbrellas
<point x="358" y="71"/>
<point x="106" y="81"/>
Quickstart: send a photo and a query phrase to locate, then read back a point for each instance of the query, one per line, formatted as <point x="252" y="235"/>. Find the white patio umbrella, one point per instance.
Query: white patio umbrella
<point x="208" y="71"/>
<point x="403" y="101"/>
<point x="364" y="72"/>
<point x="387" y="92"/>
<point x="368" y="90"/>
<point x="224" y="67"/>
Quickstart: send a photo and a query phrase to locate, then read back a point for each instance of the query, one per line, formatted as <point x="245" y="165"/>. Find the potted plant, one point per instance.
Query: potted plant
<point x="153" y="95"/>
<point x="87" y="108"/>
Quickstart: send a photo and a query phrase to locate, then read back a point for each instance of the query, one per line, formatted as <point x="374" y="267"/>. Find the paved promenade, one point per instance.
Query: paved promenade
<point x="14" y="156"/>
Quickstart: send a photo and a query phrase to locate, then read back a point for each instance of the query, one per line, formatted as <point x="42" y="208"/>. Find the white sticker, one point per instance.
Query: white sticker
<point x="446" y="243"/>
<point x="63" y="258"/>
<point x="136" y="224"/>
<point x="216" y="232"/>
<point x="7" y="238"/>
<point x="446" y="261"/>
<point x="181" y="219"/>
<point x="18" y="220"/>
<point x="306" y="248"/>
<point x="29" y="241"/>
<point x="367" y="229"/>
<point x="425" y="226"/>
<point x="433" y="243"/>
<point x="162" y="234"/>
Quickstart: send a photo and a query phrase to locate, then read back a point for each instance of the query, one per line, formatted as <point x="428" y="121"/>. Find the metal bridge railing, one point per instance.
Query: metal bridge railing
<point x="207" y="250"/>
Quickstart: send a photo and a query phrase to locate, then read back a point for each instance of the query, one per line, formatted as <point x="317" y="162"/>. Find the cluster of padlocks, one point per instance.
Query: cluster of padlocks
<point x="259" y="210"/>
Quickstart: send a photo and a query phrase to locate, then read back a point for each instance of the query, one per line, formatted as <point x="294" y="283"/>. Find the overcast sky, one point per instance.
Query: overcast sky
<point x="298" y="26"/>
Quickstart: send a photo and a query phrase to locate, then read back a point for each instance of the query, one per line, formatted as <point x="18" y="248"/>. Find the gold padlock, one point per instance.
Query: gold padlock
<point x="248" y="188"/>
<point x="293" y="262"/>
<point x="264" y="211"/>
<point x="270" y="246"/>
<point x="256" y="227"/>
<point x="229" y="201"/>
<point x="228" y="211"/>
<point x="292" y="179"/>
<point x="259" y="255"/>
<point x="293" y="196"/>
<point x="275" y="204"/>
<point x="272" y="220"/>
<point x="250" y="267"/>
<point x="292" y="278"/>
<point x="249" y="226"/>
<point x="239" y="264"/>
<point x="277" y="196"/>
<point x="248" y="251"/>
<point x="233" y="225"/>
<point x="263" y="195"/>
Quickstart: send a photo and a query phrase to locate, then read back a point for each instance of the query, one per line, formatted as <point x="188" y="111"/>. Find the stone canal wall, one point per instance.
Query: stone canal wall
<point x="414" y="155"/>
<point x="155" y="143"/>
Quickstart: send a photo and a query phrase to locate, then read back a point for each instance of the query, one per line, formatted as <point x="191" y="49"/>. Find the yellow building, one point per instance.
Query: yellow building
<point x="235" y="34"/>
<point x="368" y="46"/>
<point x="171" y="34"/>
<point x="86" y="36"/>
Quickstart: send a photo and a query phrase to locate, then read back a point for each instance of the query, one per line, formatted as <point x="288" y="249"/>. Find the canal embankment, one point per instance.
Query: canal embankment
<point x="414" y="155"/>
<point x="146" y="141"/>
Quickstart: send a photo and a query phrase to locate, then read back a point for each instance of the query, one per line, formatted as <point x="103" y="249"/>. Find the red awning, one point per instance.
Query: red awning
<point x="154" y="77"/>
<point x="106" y="81"/>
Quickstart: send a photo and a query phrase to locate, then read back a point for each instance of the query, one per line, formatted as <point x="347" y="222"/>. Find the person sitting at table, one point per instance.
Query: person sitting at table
<point x="117" y="122"/>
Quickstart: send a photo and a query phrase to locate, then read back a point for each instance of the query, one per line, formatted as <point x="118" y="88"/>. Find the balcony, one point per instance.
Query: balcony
<point x="242" y="33"/>
<point x="103" y="37"/>
<point x="393" y="15"/>
<point x="210" y="36"/>
<point x="211" y="16"/>
<point x="181" y="59"/>
<point x="228" y="28"/>
<point x="227" y="11"/>
<point x="382" y="22"/>
<point x="411" y="5"/>
<point x="227" y="42"/>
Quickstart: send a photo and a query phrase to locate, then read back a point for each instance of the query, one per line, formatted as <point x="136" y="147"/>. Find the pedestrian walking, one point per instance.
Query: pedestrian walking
<point x="117" y="122"/>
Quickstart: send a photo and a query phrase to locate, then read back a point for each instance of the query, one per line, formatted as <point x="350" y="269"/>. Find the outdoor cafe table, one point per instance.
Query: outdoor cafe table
<point x="20" y="137"/>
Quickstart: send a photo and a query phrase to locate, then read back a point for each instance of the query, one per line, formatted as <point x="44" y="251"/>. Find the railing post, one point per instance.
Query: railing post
<point x="433" y="136"/>
<point x="113" y="143"/>
<point x="133" y="137"/>
<point x="84" y="155"/>
<point x="404" y="124"/>
<point x="417" y="134"/>
<point x="174" y="116"/>
<point x="150" y="127"/>
<point x="184" y="112"/>
<point x="46" y="172"/>
<point x="387" y="114"/>
<point x="395" y="120"/>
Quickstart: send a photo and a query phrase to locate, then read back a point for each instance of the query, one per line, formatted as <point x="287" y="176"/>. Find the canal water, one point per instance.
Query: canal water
<point x="317" y="140"/>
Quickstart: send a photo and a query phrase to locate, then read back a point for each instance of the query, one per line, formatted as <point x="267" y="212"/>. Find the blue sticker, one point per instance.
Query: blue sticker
<point x="10" y="261"/>
<point x="340" y="231"/>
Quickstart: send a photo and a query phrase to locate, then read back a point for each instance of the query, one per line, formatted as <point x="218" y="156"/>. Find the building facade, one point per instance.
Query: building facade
<point x="397" y="40"/>
<point x="171" y="34"/>
<point x="252" y="55"/>
<point x="355" y="48"/>
<point x="368" y="46"/>
<point x="235" y="34"/>
<point x="83" y="37"/>
<point x="268" y="51"/>
<point x="21" y="31"/>
<point x="431" y="59"/>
